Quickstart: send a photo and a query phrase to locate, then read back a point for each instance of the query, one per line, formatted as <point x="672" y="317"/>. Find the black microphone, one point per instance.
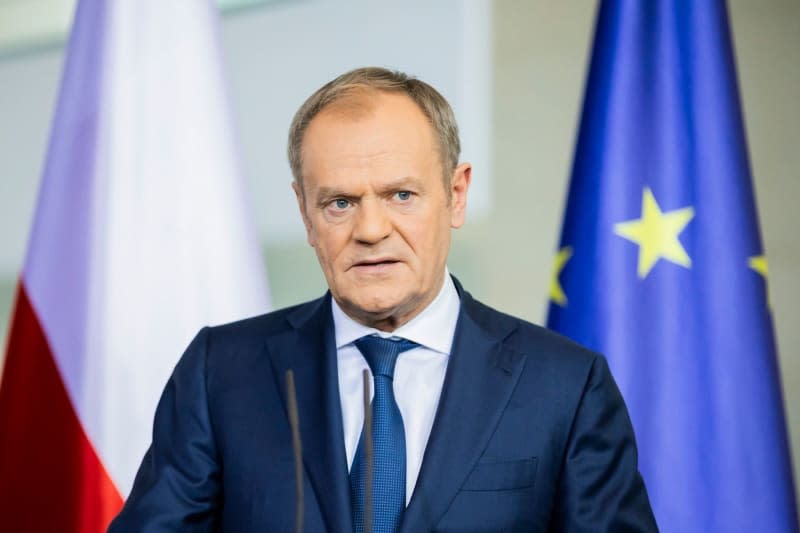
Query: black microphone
<point x="367" y="455"/>
<point x="297" y="448"/>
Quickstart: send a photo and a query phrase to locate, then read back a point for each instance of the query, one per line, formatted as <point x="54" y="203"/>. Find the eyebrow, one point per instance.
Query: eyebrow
<point x="406" y="182"/>
<point x="324" y="194"/>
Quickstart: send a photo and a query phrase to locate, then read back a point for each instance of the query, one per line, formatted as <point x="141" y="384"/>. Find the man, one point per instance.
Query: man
<point x="480" y="421"/>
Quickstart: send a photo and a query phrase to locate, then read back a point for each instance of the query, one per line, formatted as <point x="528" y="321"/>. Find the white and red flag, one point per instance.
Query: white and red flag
<point x="141" y="236"/>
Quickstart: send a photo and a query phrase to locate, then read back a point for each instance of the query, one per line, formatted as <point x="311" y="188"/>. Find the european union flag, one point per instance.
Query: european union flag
<point x="661" y="267"/>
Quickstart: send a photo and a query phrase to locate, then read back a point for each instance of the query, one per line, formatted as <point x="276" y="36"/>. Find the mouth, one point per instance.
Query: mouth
<point x="376" y="265"/>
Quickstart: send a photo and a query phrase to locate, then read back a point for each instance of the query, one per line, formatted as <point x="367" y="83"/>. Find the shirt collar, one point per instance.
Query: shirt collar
<point x="433" y="328"/>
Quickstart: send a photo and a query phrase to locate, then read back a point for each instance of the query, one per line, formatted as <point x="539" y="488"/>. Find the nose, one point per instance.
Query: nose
<point x="372" y="222"/>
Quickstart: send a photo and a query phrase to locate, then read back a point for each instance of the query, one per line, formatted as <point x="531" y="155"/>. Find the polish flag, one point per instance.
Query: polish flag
<point x="141" y="236"/>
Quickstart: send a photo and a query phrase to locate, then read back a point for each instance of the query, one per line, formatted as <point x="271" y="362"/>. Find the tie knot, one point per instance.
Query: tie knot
<point x="381" y="354"/>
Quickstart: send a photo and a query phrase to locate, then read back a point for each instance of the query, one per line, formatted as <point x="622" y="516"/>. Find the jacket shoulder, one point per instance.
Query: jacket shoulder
<point x="258" y="327"/>
<point x="544" y="345"/>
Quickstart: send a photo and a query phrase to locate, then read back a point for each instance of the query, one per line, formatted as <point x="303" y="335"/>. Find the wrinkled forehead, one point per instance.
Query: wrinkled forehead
<point x="394" y="130"/>
<point x="361" y="104"/>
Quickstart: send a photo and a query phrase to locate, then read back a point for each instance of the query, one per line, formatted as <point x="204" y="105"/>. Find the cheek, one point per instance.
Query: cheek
<point x="428" y="236"/>
<point x="330" y="243"/>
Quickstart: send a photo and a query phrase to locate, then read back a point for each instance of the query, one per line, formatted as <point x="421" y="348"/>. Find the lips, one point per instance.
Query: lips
<point x="375" y="264"/>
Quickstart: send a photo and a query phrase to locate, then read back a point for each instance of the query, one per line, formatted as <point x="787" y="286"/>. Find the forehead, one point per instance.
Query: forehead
<point x="368" y="131"/>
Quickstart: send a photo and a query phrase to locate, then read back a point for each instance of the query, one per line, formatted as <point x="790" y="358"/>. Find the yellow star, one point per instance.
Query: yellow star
<point x="656" y="233"/>
<point x="759" y="264"/>
<point x="556" y="291"/>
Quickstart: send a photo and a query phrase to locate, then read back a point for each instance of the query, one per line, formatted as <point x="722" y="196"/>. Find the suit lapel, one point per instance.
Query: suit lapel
<point x="309" y="350"/>
<point x="481" y="376"/>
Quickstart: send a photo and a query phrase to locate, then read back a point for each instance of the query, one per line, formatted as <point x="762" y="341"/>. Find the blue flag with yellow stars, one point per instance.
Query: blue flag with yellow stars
<point x="661" y="268"/>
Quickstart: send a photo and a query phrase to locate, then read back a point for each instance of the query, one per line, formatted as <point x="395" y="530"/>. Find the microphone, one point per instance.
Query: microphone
<point x="367" y="455"/>
<point x="297" y="448"/>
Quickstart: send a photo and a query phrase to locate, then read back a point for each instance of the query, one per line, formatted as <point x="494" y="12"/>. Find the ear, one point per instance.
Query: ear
<point x="459" y="185"/>
<point x="301" y="204"/>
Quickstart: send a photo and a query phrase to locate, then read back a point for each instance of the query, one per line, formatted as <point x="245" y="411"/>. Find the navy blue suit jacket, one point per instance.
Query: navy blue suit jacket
<point x="531" y="434"/>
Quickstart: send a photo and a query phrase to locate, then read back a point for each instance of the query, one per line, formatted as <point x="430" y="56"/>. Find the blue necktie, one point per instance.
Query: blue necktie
<point x="388" y="442"/>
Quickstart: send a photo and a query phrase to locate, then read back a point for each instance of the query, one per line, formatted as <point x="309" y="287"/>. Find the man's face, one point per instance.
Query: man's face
<point x="375" y="206"/>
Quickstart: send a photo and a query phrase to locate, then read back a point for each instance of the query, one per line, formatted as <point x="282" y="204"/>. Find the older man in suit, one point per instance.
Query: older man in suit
<point x="480" y="421"/>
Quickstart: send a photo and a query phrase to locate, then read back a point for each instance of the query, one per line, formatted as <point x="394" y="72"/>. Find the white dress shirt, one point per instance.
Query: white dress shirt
<point x="418" y="376"/>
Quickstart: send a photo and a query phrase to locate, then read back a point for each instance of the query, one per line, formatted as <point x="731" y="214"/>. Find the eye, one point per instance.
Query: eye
<point x="403" y="196"/>
<point x="340" y="204"/>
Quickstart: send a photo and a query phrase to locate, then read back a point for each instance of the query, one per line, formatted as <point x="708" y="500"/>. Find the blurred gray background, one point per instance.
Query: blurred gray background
<point x="514" y="71"/>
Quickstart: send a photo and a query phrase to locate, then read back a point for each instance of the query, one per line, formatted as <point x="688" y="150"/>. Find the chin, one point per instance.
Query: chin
<point x="378" y="306"/>
<point x="375" y="303"/>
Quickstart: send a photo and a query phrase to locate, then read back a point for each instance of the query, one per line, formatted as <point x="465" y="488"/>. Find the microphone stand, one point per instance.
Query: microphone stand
<point x="368" y="455"/>
<point x="297" y="448"/>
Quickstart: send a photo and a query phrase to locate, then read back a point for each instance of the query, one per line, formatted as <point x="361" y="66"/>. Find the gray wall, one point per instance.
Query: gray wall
<point x="767" y="39"/>
<point x="538" y="62"/>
